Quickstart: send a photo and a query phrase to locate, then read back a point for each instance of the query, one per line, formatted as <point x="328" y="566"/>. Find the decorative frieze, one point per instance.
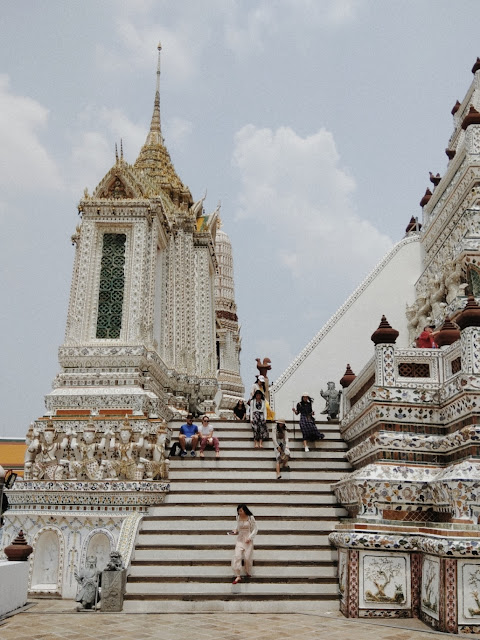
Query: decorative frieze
<point x="415" y="442"/>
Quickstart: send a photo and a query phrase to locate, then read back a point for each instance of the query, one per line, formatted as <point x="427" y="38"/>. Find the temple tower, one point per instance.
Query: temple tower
<point x="141" y="325"/>
<point x="228" y="332"/>
<point x="451" y="220"/>
<point x="411" y="418"/>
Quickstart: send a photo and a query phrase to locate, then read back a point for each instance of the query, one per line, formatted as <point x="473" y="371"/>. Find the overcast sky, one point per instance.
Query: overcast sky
<point x="314" y="122"/>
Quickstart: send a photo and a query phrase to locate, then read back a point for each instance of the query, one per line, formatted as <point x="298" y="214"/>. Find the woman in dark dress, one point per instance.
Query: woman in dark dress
<point x="240" y="410"/>
<point x="307" y="421"/>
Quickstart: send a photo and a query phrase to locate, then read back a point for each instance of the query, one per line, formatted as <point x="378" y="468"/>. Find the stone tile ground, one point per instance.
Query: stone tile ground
<point x="58" y="620"/>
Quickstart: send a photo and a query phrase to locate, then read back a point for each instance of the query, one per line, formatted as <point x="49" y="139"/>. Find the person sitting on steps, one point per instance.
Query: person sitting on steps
<point x="188" y="436"/>
<point x="207" y="437"/>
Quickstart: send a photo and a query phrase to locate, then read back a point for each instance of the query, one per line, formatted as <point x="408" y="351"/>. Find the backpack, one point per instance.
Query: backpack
<point x="174" y="449"/>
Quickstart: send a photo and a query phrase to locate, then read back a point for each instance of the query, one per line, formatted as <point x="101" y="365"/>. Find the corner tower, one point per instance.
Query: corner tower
<point x="228" y="331"/>
<point x="141" y="331"/>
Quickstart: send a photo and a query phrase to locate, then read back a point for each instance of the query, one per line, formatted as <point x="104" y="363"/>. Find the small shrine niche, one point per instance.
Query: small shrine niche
<point x="99" y="547"/>
<point x="45" y="574"/>
<point x="473" y="279"/>
<point x="117" y="190"/>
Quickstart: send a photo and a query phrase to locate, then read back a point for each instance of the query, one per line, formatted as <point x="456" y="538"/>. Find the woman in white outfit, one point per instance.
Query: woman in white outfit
<point x="245" y="531"/>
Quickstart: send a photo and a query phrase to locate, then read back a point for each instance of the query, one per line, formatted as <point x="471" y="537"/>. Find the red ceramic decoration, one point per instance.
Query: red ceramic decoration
<point x="385" y="334"/>
<point x="19" y="550"/>
<point x="348" y="377"/>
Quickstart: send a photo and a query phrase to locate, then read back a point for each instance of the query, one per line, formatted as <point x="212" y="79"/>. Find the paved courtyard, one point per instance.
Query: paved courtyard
<point x="57" y="620"/>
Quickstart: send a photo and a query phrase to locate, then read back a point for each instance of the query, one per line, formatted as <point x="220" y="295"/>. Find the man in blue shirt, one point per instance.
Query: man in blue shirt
<point x="188" y="436"/>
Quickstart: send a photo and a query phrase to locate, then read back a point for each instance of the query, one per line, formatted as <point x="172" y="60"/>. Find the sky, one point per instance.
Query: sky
<point x="313" y="122"/>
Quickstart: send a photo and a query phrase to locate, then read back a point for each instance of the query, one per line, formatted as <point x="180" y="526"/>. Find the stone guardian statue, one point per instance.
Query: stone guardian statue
<point x="88" y="579"/>
<point x="332" y="401"/>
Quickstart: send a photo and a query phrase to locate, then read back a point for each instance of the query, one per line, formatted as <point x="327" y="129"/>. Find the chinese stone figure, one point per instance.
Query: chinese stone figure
<point x="332" y="401"/>
<point x="88" y="579"/>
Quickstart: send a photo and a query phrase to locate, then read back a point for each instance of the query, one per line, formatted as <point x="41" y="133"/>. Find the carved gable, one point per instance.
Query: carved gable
<point x="120" y="183"/>
<point x="117" y="189"/>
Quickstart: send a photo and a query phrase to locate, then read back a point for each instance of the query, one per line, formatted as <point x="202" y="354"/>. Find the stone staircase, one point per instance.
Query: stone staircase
<point x="183" y="553"/>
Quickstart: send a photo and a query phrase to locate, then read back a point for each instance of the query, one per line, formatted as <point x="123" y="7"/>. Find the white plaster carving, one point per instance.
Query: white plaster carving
<point x="384" y="580"/>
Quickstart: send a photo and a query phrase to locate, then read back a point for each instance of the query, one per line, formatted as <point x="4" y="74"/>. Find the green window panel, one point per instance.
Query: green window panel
<point x="112" y="286"/>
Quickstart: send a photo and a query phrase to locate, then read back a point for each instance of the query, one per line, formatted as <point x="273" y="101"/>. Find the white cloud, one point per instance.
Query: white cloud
<point x="296" y="190"/>
<point x="249" y="32"/>
<point x="179" y="131"/>
<point x="250" y="37"/>
<point x="183" y="38"/>
<point x="92" y="156"/>
<point x="328" y="13"/>
<point x="93" y="145"/>
<point x="121" y="127"/>
<point x="25" y="161"/>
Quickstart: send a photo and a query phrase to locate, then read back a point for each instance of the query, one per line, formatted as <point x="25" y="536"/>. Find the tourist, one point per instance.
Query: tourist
<point x="258" y="418"/>
<point x="207" y="437"/>
<point x="240" y="410"/>
<point x="307" y="420"/>
<point x="261" y="385"/>
<point x="188" y="436"/>
<point x="280" y="446"/>
<point x="246" y="530"/>
<point x="426" y="340"/>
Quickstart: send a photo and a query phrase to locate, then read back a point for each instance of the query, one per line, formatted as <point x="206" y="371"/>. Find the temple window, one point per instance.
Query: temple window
<point x="414" y="370"/>
<point x="112" y="284"/>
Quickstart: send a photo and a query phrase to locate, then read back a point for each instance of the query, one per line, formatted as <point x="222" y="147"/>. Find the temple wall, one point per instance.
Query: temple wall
<point x="345" y="338"/>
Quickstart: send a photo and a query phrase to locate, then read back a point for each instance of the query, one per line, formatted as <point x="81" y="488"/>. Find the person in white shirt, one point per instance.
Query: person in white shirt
<point x="207" y="437"/>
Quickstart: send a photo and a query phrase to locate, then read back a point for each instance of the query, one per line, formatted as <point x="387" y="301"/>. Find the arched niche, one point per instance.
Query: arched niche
<point x="47" y="562"/>
<point x="99" y="544"/>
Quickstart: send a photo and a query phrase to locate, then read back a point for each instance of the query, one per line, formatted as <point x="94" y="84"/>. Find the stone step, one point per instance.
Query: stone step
<point x="236" y="602"/>
<point x="239" y="425"/>
<point x="241" y="456"/>
<point x="288" y="483"/>
<point x="251" y="587"/>
<point x="235" y="499"/>
<point x="183" y="554"/>
<point x="223" y="571"/>
<point x="265" y="463"/>
<point x="326" y="425"/>
<point x="246" y="436"/>
<point x="219" y="526"/>
<point x="203" y="539"/>
<point x="316" y="554"/>
<point x="211" y="473"/>
<point x="245" y="442"/>
<point x="220" y="507"/>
